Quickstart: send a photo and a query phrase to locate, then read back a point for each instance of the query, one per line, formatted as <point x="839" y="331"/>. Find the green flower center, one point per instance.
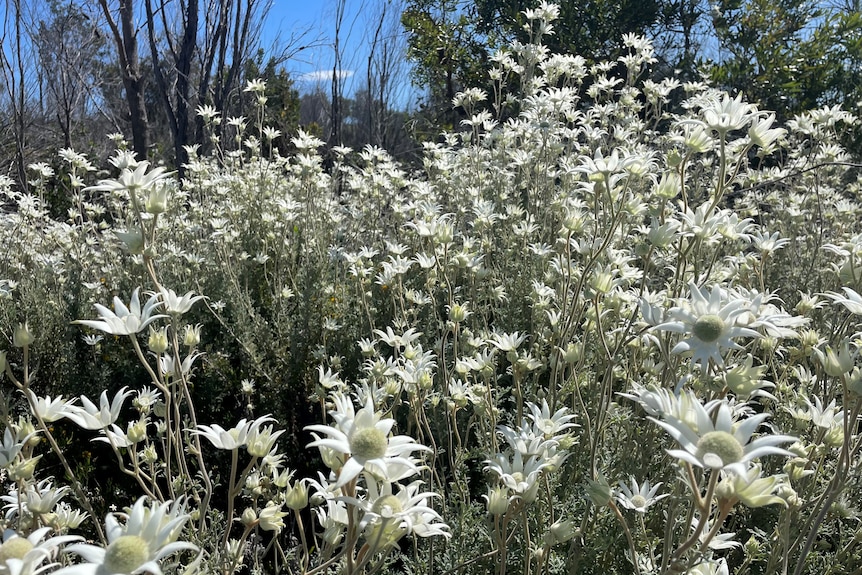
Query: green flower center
<point x="638" y="501"/>
<point x="390" y="501"/>
<point x="719" y="444"/>
<point x="15" y="548"/>
<point x="708" y="328"/>
<point x="368" y="443"/>
<point x="126" y="554"/>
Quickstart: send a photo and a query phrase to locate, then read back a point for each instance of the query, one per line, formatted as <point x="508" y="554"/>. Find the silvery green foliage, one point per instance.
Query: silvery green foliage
<point x="589" y="334"/>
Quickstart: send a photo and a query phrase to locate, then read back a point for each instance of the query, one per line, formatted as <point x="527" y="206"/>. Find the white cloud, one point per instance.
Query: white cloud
<point x="320" y="75"/>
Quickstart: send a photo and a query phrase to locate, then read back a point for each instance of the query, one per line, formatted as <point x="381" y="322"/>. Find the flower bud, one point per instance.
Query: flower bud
<point x="498" y="500"/>
<point x="157" y="201"/>
<point x="133" y="240"/>
<point x="158" y="340"/>
<point x="834" y="437"/>
<point x="297" y="497"/>
<point x="23" y="469"/>
<point x="752" y="547"/>
<point x="149" y="455"/>
<point x="22" y="336"/>
<point x="458" y="313"/>
<point x="272" y="518"/>
<point x="137" y="431"/>
<point x="562" y="530"/>
<point x="25" y="428"/>
<point x="192" y="335"/>
<point x="249" y="517"/>
<point x="835" y="363"/>
<point x="599" y="491"/>
<point x="574" y="352"/>
<point x="668" y="186"/>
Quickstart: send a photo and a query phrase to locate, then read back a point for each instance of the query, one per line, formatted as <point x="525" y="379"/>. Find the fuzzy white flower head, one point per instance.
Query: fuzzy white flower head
<point x="26" y="555"/>
<point x="149" y="534"/>
<point x="232" y="438"/>
<point x="175" y="304"/>
<point x="125" y="320"/>
<point x="638" y="497"/>
<point x="723" y="444"/>
<point x="708" y="321"/>
<point x="91" y="417"/>
<point x="365" y="438"/>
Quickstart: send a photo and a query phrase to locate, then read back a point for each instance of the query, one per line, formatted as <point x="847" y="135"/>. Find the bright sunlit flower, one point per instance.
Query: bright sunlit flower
<point x="48" y="409"/>
<point x="149" y="535"/>
<point x="132" y="180"/>
<point x="708" y="321"/>
<point x="125" y="320"/>
<point x="638" y="497"/>
<point x="724" y="444"/>
<point x="26" y="555"/>
<point x="365" y="438"/>
<point x="232" y="438"/>
<point x="94" y="418"/>
<point x="178" y="305"/>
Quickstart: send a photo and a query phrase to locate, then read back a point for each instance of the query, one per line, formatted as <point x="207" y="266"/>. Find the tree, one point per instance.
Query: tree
<point x="70" y="49"/>
<point x="447" y="51"/>
<point x="590" y="28"/>
<point x="125" y="35"/>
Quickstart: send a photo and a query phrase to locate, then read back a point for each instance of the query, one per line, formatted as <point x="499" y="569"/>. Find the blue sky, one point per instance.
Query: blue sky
<point x="310" y="23"/>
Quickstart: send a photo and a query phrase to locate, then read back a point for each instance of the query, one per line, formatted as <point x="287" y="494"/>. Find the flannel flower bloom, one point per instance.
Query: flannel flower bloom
<point x="93" y="418"/>
<point x="638" y="497"/>
<point x="177" y="304"/>
<point x="365" y="438"/>
<point x="125" y="320"/>
<point x="709" y="323"/>
<point x="723" y="445"/>
<point x="25" y="555"/>
<point x="132" y="180"/>
<point x="149" y="535"/>
<point x="232" y="438"/>
<point x="389" y="516"/>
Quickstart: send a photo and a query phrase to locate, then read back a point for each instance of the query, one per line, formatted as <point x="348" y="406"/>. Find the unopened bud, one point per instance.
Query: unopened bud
<point x="249" y="517"/>
<point x="158" y="340"/>
<point x="192" y="335"/>
<point x="498" y="500"/>
<point x="297" y="497"/>
<point x="22" y="336"/>
<point x="599" y="491"/>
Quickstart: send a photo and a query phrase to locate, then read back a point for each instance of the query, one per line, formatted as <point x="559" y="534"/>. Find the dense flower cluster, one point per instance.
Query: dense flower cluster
<point x="604" y="320"/>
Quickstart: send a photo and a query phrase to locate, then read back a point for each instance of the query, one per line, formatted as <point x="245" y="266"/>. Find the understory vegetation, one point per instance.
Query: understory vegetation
<point x="609" y="325"/>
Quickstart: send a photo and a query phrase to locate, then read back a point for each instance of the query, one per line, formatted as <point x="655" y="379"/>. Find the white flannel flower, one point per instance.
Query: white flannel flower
<point x="724" y="444"/>
<point x="48" y="409"/>
<point x="125" y="320"/>
<point x="520" y="476"/>
<point x="550" y="424"/>
<point x="178" y="305"/>
<point x="708" y="321"/>
<point x="132" y="180"/>
<point x="39" y="498"/>
<point x="852" y="301"/>
<point x="26" y="555"/>
<point x="94" y="418"/>
<point x="232" y="438"/>
<point x="149" y="535"/>
<point x="389" y="516"/>
<point x="639" y="497"/>
<point x="365" y="438"/>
